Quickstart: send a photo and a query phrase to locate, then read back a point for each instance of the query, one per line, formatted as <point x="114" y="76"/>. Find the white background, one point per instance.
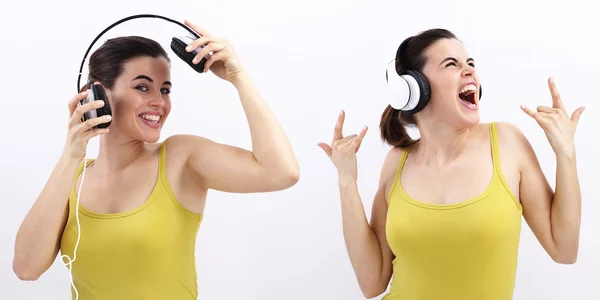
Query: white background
<point x="309" y="59"/>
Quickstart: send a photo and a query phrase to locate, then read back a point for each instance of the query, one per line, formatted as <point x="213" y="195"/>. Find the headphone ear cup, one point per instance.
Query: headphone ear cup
<point x="178" y="45"/>
<point x="424" y="91"/>
<point x="97" y="92"/>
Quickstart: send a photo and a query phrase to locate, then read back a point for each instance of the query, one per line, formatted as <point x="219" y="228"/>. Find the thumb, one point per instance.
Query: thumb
<point x="325" y="148"/>
<point x="197" y="28"/>
<point x="576" y="114"/>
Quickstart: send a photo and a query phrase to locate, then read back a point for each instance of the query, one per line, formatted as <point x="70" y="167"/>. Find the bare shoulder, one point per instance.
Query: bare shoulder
<point x="179" y="148"/>
<point x="390" y="163"/>
<point x="512" y="140"/>
<point x="186" y="143"/>
<point x="389" y="169"/>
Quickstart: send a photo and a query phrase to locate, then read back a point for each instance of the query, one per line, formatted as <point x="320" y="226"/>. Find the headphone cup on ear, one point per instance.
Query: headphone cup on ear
<point x="424" y="91"/>
<point x="100" y="94"/>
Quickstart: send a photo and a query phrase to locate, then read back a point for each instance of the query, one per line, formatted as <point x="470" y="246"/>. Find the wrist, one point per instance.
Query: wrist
<point x="346" y="180"/>
<point x="68" y="160"/>
<point x="239" y="78"/>
<point x="566" y="154"/>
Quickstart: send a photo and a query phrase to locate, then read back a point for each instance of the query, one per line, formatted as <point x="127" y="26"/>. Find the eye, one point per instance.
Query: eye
<point x="451" y="64"/>
<point x="165" y="91"/>
<point x="472" y="64"/>
<point x="142" y="88"/>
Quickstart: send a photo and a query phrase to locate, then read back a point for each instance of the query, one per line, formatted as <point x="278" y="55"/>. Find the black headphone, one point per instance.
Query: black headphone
<point x="409" y="91"/>
<point x="178" y="44"/>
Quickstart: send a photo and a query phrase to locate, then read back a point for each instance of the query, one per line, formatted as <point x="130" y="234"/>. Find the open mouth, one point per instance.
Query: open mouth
<point x="153" y="119"/>
<point x="467" y="95"/>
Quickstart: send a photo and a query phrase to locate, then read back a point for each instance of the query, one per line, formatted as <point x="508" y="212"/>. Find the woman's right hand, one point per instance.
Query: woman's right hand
<point x="342" y="150"/>
<point x="79" y="132"/>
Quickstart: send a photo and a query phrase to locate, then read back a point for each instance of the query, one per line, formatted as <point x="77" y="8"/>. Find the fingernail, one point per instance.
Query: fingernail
<point x="108" y="117"/>
<point x="100" y="103"/>
<point x="188" y="48"/>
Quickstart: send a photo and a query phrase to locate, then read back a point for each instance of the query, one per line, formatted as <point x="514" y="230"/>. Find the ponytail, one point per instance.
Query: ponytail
<point x="393" y="128"/>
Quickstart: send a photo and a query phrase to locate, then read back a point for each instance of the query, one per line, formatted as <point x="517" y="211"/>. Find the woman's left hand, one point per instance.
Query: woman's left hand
<point x="223" y="61"/>
<point x="559" y="128"/>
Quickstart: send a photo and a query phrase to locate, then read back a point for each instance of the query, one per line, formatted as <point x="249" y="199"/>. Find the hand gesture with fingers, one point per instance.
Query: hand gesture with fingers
<point x="342" y="151"/>
<point x="558" y="127"/>
<point x="223" y="60"/>
<point x="81" y="132"/>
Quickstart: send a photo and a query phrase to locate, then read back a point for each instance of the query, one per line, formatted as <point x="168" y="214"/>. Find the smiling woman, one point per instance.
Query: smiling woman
<point x="142" y="201"/>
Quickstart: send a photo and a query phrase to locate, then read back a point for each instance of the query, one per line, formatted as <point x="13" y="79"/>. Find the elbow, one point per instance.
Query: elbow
<point x="24" y="273"/>
<point x="372" y="289"/>
<point x="292" y="177"/>
<point x="287" y="179"/>
<point x="565" y="257"/>
<point x="373" y="292"/>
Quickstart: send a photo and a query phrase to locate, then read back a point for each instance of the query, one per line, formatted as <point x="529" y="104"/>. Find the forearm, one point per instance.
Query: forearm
<point x="37" y="238"/>
<point x="566" y="207"/>
<point x="270" y="145"/>
<point x="361" y="242"/>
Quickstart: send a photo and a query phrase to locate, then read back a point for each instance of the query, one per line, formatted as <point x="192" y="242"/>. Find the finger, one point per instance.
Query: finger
<point x="95" y="132"/>
<point x="212" y="59"/>
<point x="339" y="125"/>
<point x="90" y="123"/>
<point x="75" y="101"/>
<point x="556" y="101"/>
<point x="208" y="50"/>
<point x="534" y="114"/>
<point x="197" y="28"/>
<point x="342" y="143"/>
<point x="199" y="43"/>
<point x="325" y="148"/>
<point x="546" y="109"/>
<point x="576" y="114"/>
<point x="82" y="109"/>
<point x="358" y="140"/>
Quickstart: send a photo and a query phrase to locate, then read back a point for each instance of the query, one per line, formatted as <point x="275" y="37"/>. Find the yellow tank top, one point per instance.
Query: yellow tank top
<point x="146" y="253"/>
<point x="462" y="251"/>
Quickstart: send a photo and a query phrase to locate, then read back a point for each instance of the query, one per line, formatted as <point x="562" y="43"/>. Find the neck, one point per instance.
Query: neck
<point x="440" y="144"/>
<point x="117" y="152"/>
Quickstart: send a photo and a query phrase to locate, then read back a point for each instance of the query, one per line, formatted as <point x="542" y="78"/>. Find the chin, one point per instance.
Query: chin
<point x="148" y="132"/>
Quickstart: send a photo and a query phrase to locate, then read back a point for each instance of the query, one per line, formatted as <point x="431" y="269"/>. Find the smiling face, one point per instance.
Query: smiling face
<point x="140" y="98"/>
<point x="454" y="84"/>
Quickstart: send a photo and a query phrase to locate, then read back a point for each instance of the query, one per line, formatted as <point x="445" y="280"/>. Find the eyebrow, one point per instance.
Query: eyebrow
<point x="455" y="60"/>
<point x="149" y="79"/>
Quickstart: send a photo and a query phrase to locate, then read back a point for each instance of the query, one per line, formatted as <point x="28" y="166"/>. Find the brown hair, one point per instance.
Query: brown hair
<point x="410" y="56"/>
<point x="107" y="62"/>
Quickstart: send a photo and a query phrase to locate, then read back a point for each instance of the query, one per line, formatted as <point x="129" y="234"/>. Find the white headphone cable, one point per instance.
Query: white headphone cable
<point x="70" y="261"/>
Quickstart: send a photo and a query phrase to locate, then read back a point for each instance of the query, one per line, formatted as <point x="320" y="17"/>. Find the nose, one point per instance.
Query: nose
<point x="468" y="70"/>
<point x="157" y="101"/>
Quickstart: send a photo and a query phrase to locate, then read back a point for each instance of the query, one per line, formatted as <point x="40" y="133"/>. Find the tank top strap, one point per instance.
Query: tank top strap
<point x="495" y="149"/>
<point x="80" y="170"/>
<point x="162" y="162"/>
<point x="399" y="169"/>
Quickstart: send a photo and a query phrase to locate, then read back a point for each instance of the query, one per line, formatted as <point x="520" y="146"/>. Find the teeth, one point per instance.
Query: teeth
<point x="468" y="88"/>
<point x="152" y="118"/>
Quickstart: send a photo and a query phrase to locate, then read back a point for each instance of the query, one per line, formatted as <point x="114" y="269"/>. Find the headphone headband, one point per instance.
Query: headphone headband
<point x="119" y="22"/>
